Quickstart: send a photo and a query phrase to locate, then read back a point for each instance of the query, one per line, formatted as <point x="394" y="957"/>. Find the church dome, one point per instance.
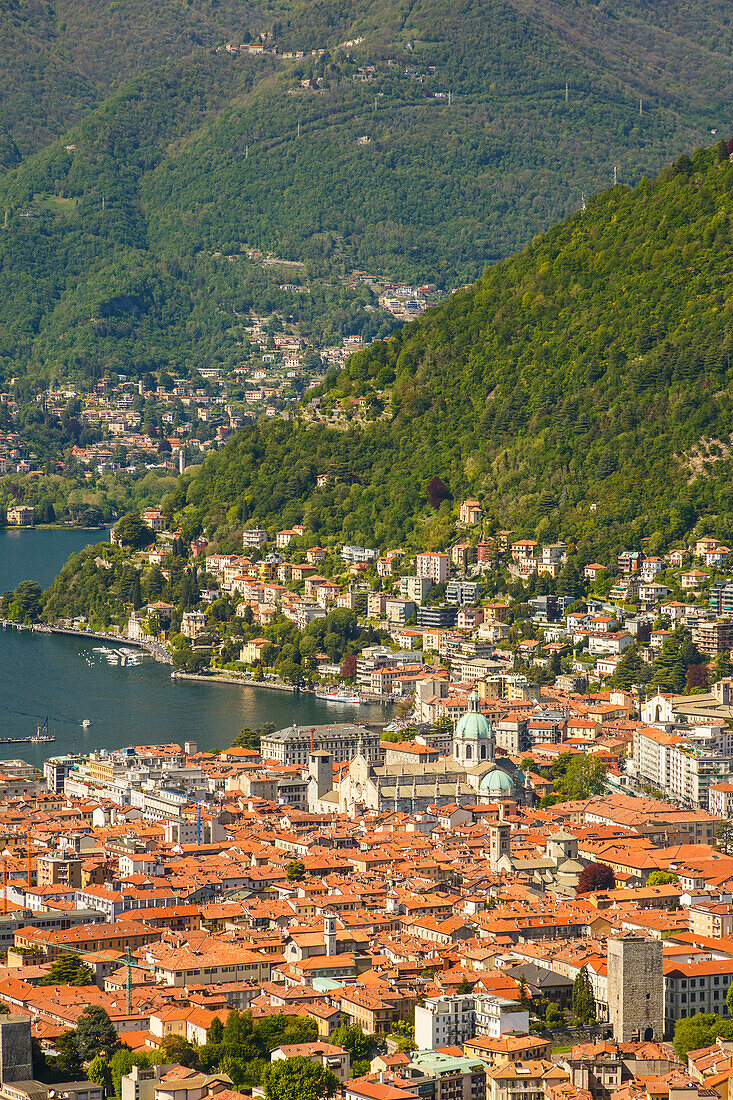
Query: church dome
<point x="497" y="782"/>
<point x="474" y="725"/>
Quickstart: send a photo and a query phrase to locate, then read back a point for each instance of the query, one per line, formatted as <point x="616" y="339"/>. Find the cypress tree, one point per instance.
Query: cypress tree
<point x="584" y="1004"/>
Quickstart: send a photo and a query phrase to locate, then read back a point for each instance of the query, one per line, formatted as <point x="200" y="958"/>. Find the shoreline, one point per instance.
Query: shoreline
<point x="237" y="681"/>
<point x="155" y="650"/>
<point x="229" y="678"/>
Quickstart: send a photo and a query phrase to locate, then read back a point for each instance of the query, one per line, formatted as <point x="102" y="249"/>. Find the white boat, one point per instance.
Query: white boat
<point x="340" y="696"/>
<point x="86" y="723"/>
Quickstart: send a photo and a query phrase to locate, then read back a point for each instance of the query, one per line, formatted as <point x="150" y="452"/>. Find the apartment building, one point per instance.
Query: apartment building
<point x="434" y="566"/>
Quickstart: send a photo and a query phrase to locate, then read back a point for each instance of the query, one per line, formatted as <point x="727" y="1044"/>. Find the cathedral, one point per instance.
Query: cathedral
<point x="470" y="774"/>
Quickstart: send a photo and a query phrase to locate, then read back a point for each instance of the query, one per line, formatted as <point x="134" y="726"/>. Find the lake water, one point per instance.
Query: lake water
<point x="64" y="679"/>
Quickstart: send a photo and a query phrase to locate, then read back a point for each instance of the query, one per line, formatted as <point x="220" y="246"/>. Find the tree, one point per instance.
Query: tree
<point x="132" y="531"/>
<point x="724" y="836"/>
<point x="99" y="1072"/>
<point x="406" y="1036"/>
<point x="295" y="870"/>
<point x="697" y="679"/>
<point x="177" y="1049"/>
<point x="578" y="776"/>
<point x="348" y="668"/>
<point x="359" y="1047"/>
<point x="122" y="1062"/>
<point x="215" y="1033"/>
<point x="568" y="581"/>
<point x="298" y="1079"/>
<point x="68" y="970"/>
<point x="628" y="670"/>
<point x="68" y="1060"/>
<point x="120" y="1065"/>
<point x="662" y="878"/>
<point x="700" y="1031"/>
<point x="554" y="1015"/>
<point x="95" y="1033"/>
<point x="437" y="492"/>
<point x="25" y="606"/>
<point x="596" y="876"/>
<point x="584" y="1004"/>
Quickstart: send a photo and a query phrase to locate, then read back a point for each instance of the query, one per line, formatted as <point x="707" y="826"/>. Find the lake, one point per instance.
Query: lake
<point x="67" y="679"/>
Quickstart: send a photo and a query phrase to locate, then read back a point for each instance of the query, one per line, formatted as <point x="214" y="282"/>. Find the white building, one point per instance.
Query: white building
<point x="254" y="537"/>
<point x="193" y="623"/>
<point x="451" y="1020"/>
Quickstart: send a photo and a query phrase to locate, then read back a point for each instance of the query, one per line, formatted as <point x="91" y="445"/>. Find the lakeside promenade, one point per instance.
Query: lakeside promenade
<point x="155" y="649"/>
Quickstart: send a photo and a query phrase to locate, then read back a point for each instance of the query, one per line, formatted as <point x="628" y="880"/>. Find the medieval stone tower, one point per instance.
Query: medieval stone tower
<point x="635" y="989"/>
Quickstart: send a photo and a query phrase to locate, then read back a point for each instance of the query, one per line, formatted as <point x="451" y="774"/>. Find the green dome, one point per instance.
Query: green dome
<point x="473" y="725"/>
<point x="497" y="782"/>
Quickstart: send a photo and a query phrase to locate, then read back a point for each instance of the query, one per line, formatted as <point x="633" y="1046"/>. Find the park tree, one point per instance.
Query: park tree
<point x="98" y="1071"/>
<point x="68" y="1060"/>
<point x="120" y="1065"/>
<point x="577" y="777"/>
<point x="25" y="606"/>
<point x="628" y="670"/>
<point x="298" y="1079"/>
<point x="132" y="531"/>
<point x="353" y="1039"/>
<point x="699" y="1031"/>
<point x="176" y="1049"/>
<point x="568" y="581"/>
<point x="596" y="876"/>
<point x="68" y="970"/>
<point x="662" y="878"/>
<point x="584" y="1004"/>
<point x="95" y="1033"/>
<point x="295" y="870"/>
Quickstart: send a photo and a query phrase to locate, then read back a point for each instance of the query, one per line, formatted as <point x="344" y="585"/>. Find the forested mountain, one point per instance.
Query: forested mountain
<point x="123" y="243"/>
<point x="582" y="389"/>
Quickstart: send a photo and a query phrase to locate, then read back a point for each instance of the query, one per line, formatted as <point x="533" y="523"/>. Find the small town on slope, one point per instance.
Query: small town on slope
<point x="515" y="886"/>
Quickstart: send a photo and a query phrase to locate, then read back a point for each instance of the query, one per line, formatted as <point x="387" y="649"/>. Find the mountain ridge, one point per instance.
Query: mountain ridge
<point x="569" y="390"/>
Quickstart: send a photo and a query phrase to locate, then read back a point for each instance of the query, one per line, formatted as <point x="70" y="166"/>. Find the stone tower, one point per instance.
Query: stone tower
<point x="16" y="1059"/>
<point x="320" y="777"/>
<point x="498" y="843"/>
<point x="635" y="989"/>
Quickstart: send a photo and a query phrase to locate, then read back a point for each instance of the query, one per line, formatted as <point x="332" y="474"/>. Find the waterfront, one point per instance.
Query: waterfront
<point x="64" y="679"/>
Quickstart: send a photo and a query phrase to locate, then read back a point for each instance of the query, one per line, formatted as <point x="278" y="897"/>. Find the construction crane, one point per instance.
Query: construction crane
<point x="130" y="964"/>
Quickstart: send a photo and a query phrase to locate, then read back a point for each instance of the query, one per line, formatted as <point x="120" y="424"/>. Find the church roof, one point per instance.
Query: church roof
<point x="474" y="726"/>
<point x="497" y="781"/>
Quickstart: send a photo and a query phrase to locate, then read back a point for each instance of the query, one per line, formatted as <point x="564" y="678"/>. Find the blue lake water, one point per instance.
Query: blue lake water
<point x="66" y="680"/>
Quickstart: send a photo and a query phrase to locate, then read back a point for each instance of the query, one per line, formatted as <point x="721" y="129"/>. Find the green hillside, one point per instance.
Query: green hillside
<point x="123" y="243"/>
<point x="581" y="389"/>
<point x="60" y="59"/>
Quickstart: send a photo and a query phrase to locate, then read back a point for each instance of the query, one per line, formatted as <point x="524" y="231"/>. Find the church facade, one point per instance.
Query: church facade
<point x="470" y="774"/>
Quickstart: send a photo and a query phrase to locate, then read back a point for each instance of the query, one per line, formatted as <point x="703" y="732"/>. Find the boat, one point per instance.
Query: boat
<point x="340" y="696"/>
<point x="86" y="723"/>
<point x="41" y="736"/>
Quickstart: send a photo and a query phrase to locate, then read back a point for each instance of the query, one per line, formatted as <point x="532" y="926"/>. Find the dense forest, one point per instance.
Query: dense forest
<point x="142" y="164"/>
<point x="581" y="389"/>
